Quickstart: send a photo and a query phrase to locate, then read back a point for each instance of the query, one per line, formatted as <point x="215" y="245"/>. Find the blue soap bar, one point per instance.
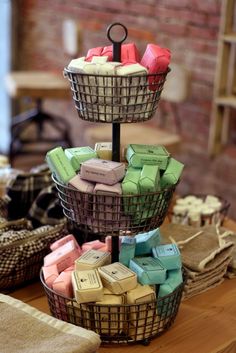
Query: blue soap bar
<point x="127" y="250"/>
<point x="148" y="269"/>
<point x="174" y="278"/>
<point x="169" y="255"/>
<point x="146" y="241"/>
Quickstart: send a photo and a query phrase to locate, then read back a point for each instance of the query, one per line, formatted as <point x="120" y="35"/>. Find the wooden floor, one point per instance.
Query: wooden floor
<point x="205" y="323"/>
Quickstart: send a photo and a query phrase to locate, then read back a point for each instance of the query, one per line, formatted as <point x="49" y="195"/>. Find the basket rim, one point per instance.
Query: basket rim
<point x="68" y="71"/>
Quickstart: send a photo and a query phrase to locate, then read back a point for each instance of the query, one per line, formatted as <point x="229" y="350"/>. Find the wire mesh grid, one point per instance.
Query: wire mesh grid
<point x="119" y="99"/>
<point x="118" y="323"/>
<point x="111" y="214"/>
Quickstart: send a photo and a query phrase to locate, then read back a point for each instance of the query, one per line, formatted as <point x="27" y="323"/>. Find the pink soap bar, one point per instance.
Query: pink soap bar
<point x="93" y="52"/>
<point x="104" y="248"/>
<point x="69" y="269"/>
<point x="50" y="274"/>
<point x="81" y="184"/>
<point x="102" y="171"/>
<point x="107" y="207"/>
<point x="63" y="284"/>
<point x="108" y="241"/>
<point x="63" y="257"/>
<point x="156" y="60"/>
<point x="129" y="53"/>
<point x="95" y="244"/>
<point x="63" y="241"/>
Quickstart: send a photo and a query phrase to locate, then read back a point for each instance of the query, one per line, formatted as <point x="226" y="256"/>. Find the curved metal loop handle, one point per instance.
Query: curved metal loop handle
<point x="109" y="32"/>
<point x="116" y="44"/>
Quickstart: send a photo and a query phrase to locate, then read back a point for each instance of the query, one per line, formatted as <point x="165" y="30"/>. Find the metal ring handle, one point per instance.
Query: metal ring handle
<point x="109" y="32"/>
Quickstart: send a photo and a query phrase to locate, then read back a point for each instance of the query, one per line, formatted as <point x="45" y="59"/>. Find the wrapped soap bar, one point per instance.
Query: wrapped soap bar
<point x="104" y="150"/>
<point x="81" y="184"/>
<point x="138" y="295"/>
<point x="106" y="206"/>
<point x="59" y="165"/>
<point x="140" y="155"/>
<point x="172" y="173"/>
<point x="129" y="53"/>
<point x="108" y="241"/>
<point x="146" y="241"/>
<point x="94" y="244"/>
<point x="109" y="318"/>
<point x="92" y="259"/>
<point x="75" y="64"/>
<point x="168" y="255"/>
<point x="63" y="284"/>
<point x="130" y="186"/>
<point x="149" y="179"/>
<point x="99" y="59"/>
<point x="131" y="70"/>
<point x="82" y="66"/>
<point x="50" y="274"/>
<point x="94" y="52"/>
<point x="77" y="155"/>
<point x="118" y="278"/>
<point x="156" y="60"/>
<point x="102" y="171"/>
<point x="63" y="257"/>
<point x="149" y="270"/>
<point x="63" y="241"/>
<point x="127" y="250"/>
<point x="87" y="286"/>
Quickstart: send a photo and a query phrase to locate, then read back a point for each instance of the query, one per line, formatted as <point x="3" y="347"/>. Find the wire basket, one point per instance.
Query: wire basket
<point x="116" y="99"/>
<point x="112" y="214"/>
<point x="118" y="323"/>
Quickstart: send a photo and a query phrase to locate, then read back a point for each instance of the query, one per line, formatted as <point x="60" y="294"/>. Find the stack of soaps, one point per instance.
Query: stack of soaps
<point x="150" y="171"/>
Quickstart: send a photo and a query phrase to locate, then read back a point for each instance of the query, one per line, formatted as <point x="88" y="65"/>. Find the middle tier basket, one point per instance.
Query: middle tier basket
<point x="112" y="214"/>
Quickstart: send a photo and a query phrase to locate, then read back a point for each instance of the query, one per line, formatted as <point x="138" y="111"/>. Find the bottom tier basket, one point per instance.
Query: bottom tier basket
<point x="118" y="323"/>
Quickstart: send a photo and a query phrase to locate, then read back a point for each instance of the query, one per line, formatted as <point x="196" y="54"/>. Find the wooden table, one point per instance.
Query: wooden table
<point x="205" y="323"/>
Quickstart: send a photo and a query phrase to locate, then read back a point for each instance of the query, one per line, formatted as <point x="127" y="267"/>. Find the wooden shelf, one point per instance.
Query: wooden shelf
<point x="228" y="101"/>
<point x="229" y="38"/>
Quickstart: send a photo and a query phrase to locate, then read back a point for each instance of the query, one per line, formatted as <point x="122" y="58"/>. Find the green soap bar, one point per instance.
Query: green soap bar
<point x="149" y="270"/>
<point x="140" y="155"/>
<point x="130" y="186"/>
<point x="172" y="173"/>
<point x="77" y="155"/>
<point x="149" y="179"/>
<point x="146" y="241"/>
<point x="169" y="256"/>
<point x="60" y="165"/>
<point x="127" y="250"/>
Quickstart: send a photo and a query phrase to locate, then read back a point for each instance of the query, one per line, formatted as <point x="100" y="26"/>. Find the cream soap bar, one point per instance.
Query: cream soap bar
<point x="172" y="173"/>
<point x="168" y="255"/>
<point x="146" y="241"/>
<point x="138" y="295"/>
<point x="102" y="171"/>
<point x="140" y="155"/>
<point x="149" y="270"/>
<point x="77" y="155"/>
<point x="92" y="259"/>
<point x="149" y="179"/>
<point x="104" y="150"/>
<point x="127" y="250"/>
<point x="60" y="165"/>
<point x="118" y="278"/>
<point x="87" y="286"/>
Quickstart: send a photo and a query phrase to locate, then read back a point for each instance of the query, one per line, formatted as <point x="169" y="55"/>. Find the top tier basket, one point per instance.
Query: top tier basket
<point x="116" y="99"/>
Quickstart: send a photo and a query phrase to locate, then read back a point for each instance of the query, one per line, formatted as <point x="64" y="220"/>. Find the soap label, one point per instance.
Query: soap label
<point x="87" y="279"/>
<point x="117" y="272"/>
<point x="167" y="250"/>
<point x="92" y="257"/>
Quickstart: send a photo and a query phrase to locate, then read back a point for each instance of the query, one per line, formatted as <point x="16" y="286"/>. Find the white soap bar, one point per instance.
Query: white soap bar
<point x="99" y="59"/>
<point x="92" y="259"/>
<point x="118" y="278"/>
<point x="132" y="69"/>
<point x="80" y="66"/>
<point x="87" y="286"/>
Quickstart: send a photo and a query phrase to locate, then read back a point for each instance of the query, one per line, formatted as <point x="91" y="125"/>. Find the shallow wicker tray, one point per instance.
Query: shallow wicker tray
<point x="116" y="99"/>
<point x="114" y="214"/>
<point x="118" y="323"/>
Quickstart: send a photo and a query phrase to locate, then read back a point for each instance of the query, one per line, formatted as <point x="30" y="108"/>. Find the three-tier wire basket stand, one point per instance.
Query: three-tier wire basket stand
<point x="116" y="100"/>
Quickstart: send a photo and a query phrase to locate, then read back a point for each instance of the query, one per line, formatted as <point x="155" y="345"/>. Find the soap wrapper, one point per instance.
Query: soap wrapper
<point x="102" y="171"/>
<point x="146" y="241"/>
<point x="168" y="255"/>
<point x="87" y="286"/>
<point x="148" y="269"/>
<point x="77" y="155"/>
<point x="130" y="186"/>
<point x="172" y="173"/>
<point x="106" y="206"/>
<point x="59" y="165"/>
<point x="92" y="259"/>
<point x="140" y="155"/>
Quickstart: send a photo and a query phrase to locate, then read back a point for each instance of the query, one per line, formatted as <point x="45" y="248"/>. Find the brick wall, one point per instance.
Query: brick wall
<point x="189" y="28"/>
